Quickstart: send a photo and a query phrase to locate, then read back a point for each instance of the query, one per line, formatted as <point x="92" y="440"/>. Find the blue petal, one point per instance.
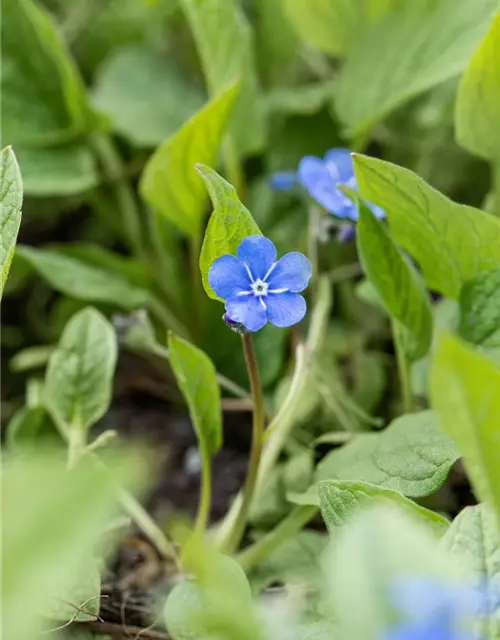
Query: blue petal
<point x="283" y="180"/>
<point x="378" y="211"/>
<point x="285" y="309"/>
<point x="291" y="272"/>
<point x="314" y="175"/>
<point x="248" y="311"/>
<point x="346" y="233"/>
<point x="312" y="170"/>
<point x="228" y="276"/>
<point x="259" y="254"/>
<point x="339" y="162"/>
<point x="428" y="630"/>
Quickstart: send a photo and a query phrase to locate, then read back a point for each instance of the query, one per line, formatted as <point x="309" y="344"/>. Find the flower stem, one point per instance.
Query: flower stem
<point x="314" y="217"/>
<point x="288" y="527"/>
<point x="237" y="529"/>
<point x="403" y="370"/>
<point x="233" y="166"/>
<point x="206" y="494"/>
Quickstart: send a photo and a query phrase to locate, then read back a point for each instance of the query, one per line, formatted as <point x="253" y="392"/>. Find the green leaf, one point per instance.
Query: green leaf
<point x="464" y="390"/>
<point x="477" y="111"/>
<point x="83" y="281"/>
<point x="229" y="224"/>
<point x="130" y="74"/>
<point x="58" y="171"/>
<point x="340" y="501"/>
<point x="51" y="520"/>
<point x="407" y="53"/>
<point x="411" y="456"/>
<point x="474" y="539"/>
<point x="79" y="379"/>
<point x="11" y="200"/>
<point x="196" y="377"/>
<point x="452" y="243"/>
<point x="334" y="25"/>
<point x="169" y="183"/>
<point x="225" y="45"/>
<point x="29" y="428"/>
<point x="480" y="309"/>
<point x="395" y="279"/>
<point x="43" y="99"/>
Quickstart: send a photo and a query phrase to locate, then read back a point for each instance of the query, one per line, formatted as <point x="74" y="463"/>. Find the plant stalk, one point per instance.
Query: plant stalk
<point x="206" y="495"/>
<point x="403" y="370"/>
<point x="239" y="523"/>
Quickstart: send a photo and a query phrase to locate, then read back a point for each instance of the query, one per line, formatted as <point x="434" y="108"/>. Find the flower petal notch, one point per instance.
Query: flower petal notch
<point x="258" y="288"/>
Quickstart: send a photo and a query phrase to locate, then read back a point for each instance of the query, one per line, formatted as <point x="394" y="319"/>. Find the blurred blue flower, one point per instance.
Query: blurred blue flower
<point x="322" y="177"/>
<point x="435" y="611"/>
<point x="258" y="288"/>
<point x="283" y="180"/>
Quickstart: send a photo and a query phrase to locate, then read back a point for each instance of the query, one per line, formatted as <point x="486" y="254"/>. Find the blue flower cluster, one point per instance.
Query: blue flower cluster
<point x="322" y="177"/>
<point x="258" y="288"/>
<point x="434" y="611"/>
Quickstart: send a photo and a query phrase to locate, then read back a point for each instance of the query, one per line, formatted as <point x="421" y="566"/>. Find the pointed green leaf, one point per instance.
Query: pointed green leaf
<point x="169" y="183"/>
<point x="11" y="200"/>
<point x="406" y="53"/>
<point x="452" y="243"/>
<point x="229" y="224"/>
<point x="79" y="379"/>
<point x="196" y="377"/>
<point x="395" y="279"/>
<point x="464" y="390"/>
<point x="43" y="99"/>
<point x="477" y="111"/>
<point x="474" y="540"/>
<point x="225" y="45"/>
<point x="51" y="519"/>
<point x="480" y="309"/>
<point x="412" y="456"/>
<point x="340" y="501"/>
<point x="82" y="280"/>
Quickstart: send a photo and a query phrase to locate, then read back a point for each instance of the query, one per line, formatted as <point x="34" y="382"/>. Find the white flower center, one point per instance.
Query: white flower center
<point x="259" y="287"/>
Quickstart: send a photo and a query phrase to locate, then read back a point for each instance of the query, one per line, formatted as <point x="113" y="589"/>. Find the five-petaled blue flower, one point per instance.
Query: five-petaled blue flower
<point x="435" y="611"/>
<point x="322" y="177"/>
<point x="257" y="287"/>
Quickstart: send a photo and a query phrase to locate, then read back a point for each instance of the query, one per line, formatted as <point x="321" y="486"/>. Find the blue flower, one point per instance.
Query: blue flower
<point x="322" y="177"/>
<point x="257" y="288"/>
<point x="283" y="180"/>
<point x="435" y="611"/>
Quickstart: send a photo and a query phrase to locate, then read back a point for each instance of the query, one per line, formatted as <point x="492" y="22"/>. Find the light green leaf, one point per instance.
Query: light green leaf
<point x="11" y="200"/>
<point x="406" y="53"/>
<point x="196" y="377"/>
<point x="58" y="171"/>
<point x="395" y="279"/>
<point x="464" y="390"/>
<point x="43" y="100"/>
<point x="144" y="95"/>
<point x="169" y="183"/>
<point x="411" y="456"/>
<point x="334" y="25"/>
<point x="452" y="243"/>
<point x="477" y="111"/>
<point x="225" y="45"/>
<point x="480" y="309"/>
<point x="29" y="428"/>
<point x="79" y="379"/>
<point x="229" y="224"/>
<point x="83" y="281"/>
<point x="474" y="539"/>
<point x="51" y="519"/>
<point x="340" y="501"/>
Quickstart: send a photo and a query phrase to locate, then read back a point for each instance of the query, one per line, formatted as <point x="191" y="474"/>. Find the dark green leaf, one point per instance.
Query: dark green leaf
<point x="411" y="456"/>
<point x="464" y="390"/>
<point x="78" y="384"/>
<point x="452" y="243"/>
<point x="197" y="380"/>
<point x="83" y="281"/>
<point x="478" y="102"/>
<point x="480" y="309"/>
<point x="29" y="428"/>
<point x="224" y="41"/>
<point x="405" y="54"/>
<point x="11" y="200"/>
<point x="229" y="224"/>
<point x="340" y="501"/>
<point x="169" y="183"/>
<point x="144" y="95"/>
<point x="395" y="279"/>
